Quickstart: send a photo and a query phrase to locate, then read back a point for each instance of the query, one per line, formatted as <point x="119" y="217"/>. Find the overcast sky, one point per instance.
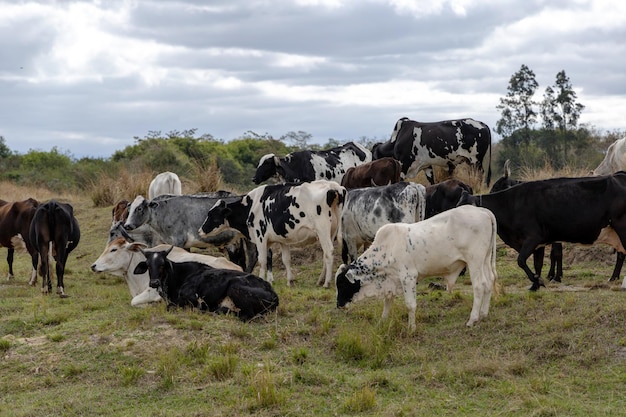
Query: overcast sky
<point x="89" y="76"/>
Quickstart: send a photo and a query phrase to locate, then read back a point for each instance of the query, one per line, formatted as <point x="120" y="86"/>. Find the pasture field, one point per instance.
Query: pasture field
<point x="558" y="352"/>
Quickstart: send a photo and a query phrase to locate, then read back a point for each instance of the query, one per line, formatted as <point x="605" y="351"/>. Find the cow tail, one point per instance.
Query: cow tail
<point x="335" y="199"/>
<point x="422" y="202"/>
<point x="494" y="235"/>
<point x="488" y="179"/>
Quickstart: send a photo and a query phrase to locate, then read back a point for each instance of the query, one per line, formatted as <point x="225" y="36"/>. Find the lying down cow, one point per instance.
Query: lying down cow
<point x="121" y="257"/>
<point x="402" y="253"/>
<point x="192" y="284"/>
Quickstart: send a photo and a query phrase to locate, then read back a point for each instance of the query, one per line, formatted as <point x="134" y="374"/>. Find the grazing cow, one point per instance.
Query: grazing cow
<point x="287" y="214"/>
<point x="614" y="160"/>
<point x="120" y="257"/>
<point x="382" y="171"/>
<point x="307" y="166"/>
<point x="444" y="196"/>
<point x="15" y="219"/>
<point x="367" y="209"/>
<point x="176" y="219"/>
<point x="165" y="183"/>
<point x="53" y="231"/>
<point x="193" y="284"/>
<point x="401" y="254"/>
<point x="448" y="143"/>
<point x="535" y="213"/>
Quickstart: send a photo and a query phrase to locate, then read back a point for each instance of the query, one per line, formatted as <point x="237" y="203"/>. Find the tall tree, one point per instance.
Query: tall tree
<point x="560" y="113"/>
<point x="559" y="108"/>
<point x="517" y="109"/>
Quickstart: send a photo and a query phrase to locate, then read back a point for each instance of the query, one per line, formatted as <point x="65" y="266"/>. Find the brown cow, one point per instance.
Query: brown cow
<point x="119" y="213"/>
<point x="383" y="171"/>
<point x="15" y="218"/>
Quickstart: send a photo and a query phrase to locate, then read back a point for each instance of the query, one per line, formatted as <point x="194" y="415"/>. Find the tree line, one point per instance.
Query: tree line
<point x="535" y="134"/>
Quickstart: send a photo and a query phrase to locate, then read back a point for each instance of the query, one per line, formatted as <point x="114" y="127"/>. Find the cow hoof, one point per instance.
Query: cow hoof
<point x="555" y="279"/>
<point x="63" y="295"/>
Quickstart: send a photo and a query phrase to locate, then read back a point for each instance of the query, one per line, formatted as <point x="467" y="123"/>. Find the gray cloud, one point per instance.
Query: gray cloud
<point x="88" y="77"/>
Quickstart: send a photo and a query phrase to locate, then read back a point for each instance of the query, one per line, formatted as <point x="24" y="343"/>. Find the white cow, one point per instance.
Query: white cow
<point x="401" y="254"/>
<point x="614" y="160"/>
<point x="165" y="183"/>
<point x="121" y="257"/>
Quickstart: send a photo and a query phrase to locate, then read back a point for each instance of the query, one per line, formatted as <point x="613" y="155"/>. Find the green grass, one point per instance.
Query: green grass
<point x="560" y="351"/>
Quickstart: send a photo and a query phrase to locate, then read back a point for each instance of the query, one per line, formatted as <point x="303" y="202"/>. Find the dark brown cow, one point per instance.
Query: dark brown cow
<point x="384" y="171"/>
<point x="53" y="231"/>
<point x="15" y="218"/>
<point x="119" y="213"/>
<point x="444" y="196"/>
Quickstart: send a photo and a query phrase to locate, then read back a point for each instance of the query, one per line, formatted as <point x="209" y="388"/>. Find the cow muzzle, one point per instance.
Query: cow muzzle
<point x="155" y="283"/>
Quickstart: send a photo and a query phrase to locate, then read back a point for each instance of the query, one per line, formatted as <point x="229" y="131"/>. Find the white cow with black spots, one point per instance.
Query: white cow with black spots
<point x="443" y="245"/>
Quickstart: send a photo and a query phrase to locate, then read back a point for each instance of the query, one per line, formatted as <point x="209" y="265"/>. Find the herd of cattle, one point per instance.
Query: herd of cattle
<point x="350" y="195"/>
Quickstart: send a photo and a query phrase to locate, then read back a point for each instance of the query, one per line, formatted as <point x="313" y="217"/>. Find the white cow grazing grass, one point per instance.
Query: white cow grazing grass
<point x="165" y="183"/>
<point x="443" y="245"/>
<point x="121" y="257"/>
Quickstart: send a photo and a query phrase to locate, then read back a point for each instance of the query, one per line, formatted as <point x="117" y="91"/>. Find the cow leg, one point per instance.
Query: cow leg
<point x="285" y="253"/>
<point x="538" y="256"/>
<point x="327" y="248"/>
<point x="409" y="288"/>
<point x="619" y="262"/>
<point x="61" y="259"/>
<point x="10" y="253"/>
<point x="387" y="303"/>
<point x="262" y="259"/>
<point x="34" y="258"/>
<point x="556" y="262"/>
<point x="522" y="257"/>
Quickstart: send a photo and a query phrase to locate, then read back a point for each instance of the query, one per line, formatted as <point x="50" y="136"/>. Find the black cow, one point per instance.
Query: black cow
<point x="556" y="251"/>
<point x="307" y="166"/>
<point x="444" y="196"/>
<point x="15" y="219"/>
<point x="575" y="210"/>
<point x="193" y="284"/>
<point x="54" y="230"/>
<point x="447" y="143"/>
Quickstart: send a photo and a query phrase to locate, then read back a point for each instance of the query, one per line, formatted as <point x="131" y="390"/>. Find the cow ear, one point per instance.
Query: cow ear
<point x="141" y="268"/>
<point x="136" y="246"/>
<point x="349" y="273"/>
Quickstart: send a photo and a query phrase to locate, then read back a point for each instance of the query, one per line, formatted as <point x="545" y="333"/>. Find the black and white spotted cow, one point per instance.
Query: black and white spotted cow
<point x="420" y="146"/>
<point x="367" y="209"/>
<point x="402" y="253"/>
<point x="307" y="166"/>
<point x="287" y="214"/>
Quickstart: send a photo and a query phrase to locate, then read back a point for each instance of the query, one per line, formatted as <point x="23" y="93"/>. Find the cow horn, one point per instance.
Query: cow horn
<point x="125" y="235"/>
<point x="507" y="168"/>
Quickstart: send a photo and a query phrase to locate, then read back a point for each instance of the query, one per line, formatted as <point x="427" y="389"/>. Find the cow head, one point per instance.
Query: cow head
<point x="266" y="168"/>
<point x="347" y="285"/>
<point x="216" y="221"/>
<point x="158" y="267"/>
<point x="139" y="213"/>
<point x="116" y="257"/>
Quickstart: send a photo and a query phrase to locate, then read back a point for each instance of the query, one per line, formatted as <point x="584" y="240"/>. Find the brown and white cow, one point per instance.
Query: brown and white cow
<point x="443" y="245"/>
<point x="15" y="219"/>
<point x="382" y="171"/>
